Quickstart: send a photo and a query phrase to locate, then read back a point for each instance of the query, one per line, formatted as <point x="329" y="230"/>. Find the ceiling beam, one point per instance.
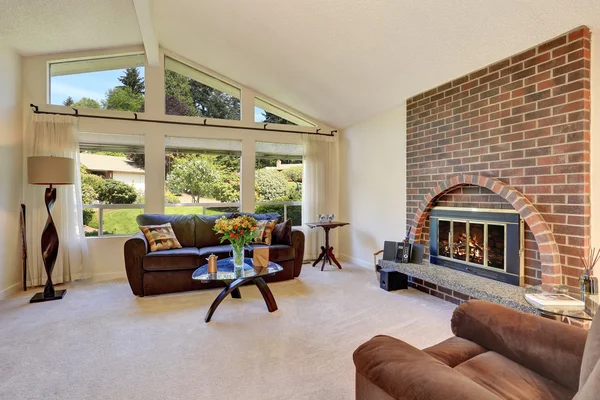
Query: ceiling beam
<point x="145" y="17"/>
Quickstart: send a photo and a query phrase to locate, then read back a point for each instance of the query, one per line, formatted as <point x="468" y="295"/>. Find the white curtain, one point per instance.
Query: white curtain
<point x="319" y="188"/>
<point x="54" y="135"/>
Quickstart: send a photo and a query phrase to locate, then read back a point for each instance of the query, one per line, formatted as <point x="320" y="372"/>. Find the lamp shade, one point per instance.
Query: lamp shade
<point x="48" y="170"/>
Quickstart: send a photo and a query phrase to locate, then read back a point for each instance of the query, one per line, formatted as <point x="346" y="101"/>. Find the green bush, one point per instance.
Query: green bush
<point x="227" y="189"/>
<point x="116" y="192"/>
<point x="170" y="198"/>
<point x="293" y="212"/>
<point x="94" y="181"/>
<point x="88" y="195"/>
<point x="294" y="173"/>
<point x="271" y="185"/>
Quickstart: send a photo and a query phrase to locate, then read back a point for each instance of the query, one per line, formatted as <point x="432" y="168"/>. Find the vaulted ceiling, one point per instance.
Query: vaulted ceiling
<point x="339" y="61"/>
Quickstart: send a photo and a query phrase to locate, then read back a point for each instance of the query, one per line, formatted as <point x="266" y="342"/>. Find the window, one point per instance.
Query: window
<point x="194" y="93"/>
<point x="202" y="176"/>
<point x="270" y="113"/>
<point x="278" y="180"/>
<point x="114" y="83"/>
<point x="112" y="182"/>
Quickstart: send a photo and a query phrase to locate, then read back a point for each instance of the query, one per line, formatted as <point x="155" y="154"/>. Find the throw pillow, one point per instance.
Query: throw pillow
<point x="282" y="233"/>
<point x="265" y="232"/>
<point x="160" y="237"/>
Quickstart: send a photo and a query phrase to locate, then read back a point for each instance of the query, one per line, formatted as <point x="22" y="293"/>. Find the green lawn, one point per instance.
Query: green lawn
<point x="122" y="222"/>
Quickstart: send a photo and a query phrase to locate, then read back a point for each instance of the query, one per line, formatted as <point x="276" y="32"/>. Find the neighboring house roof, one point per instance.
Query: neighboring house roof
<point x="98" y="162"/>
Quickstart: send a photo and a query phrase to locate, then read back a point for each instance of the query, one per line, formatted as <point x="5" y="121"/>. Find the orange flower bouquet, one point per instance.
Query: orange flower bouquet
<point x="238" y="231"/>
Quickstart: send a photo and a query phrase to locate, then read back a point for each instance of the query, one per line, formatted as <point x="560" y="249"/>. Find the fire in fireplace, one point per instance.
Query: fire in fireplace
<point x="478" y="241"/>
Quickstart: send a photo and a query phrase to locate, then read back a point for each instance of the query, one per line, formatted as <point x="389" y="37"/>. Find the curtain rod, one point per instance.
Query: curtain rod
<point x="135" y="118"/>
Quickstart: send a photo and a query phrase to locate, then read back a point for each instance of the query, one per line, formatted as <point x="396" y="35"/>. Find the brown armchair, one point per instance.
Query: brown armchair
<point x="496" y="353"/>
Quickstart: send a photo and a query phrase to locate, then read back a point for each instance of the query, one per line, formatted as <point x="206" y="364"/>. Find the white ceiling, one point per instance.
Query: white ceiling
<point x="339" y="61"/>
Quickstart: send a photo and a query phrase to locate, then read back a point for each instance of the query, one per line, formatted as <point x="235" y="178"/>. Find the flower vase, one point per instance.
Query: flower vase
<point x="238" y="258"/>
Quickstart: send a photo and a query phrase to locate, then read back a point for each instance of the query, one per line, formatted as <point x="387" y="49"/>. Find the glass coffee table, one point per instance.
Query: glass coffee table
<point x="584" y="314"/>
<point x="233" y="280"/>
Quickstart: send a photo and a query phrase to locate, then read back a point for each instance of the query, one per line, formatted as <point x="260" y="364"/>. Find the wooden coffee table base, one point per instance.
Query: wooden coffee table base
<point x="233" y="289"/>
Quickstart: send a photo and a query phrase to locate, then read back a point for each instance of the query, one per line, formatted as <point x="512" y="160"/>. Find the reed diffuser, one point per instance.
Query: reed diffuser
<point x="587" y="283"/>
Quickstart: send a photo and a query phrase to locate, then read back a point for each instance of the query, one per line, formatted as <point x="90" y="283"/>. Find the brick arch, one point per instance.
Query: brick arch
<point x="549" y="252"/>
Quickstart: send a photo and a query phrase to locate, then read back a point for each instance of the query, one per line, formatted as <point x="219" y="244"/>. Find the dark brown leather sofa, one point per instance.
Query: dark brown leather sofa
<point x="497" y="353"/>
<point x="171" y="270"/>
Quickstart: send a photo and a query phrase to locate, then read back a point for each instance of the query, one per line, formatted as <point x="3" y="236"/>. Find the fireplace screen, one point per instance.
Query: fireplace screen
<point x="482" y="242"/>
<point x="479" y="243"/>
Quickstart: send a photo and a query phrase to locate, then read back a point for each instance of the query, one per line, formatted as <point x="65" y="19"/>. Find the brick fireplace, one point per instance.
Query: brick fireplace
<point x="512" y="135"/>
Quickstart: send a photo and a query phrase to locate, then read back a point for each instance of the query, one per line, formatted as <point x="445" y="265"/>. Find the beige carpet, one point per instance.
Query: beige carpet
<point x="101" y="342"/>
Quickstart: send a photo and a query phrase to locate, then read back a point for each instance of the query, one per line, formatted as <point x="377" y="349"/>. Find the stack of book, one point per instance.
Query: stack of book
<point x="556" y="300"/>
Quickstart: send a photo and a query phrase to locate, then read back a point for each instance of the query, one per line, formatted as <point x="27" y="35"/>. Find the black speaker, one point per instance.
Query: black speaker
<point x="389" y="251"/>
<point x="390" y="279"/>
<point x="418" y="250"/>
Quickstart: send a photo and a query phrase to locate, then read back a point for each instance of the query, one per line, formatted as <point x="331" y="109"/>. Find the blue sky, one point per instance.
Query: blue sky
<point x="94" y="85"/>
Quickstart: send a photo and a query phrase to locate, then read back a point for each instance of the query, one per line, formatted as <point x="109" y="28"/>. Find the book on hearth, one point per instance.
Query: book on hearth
<point x="554" y="300"/>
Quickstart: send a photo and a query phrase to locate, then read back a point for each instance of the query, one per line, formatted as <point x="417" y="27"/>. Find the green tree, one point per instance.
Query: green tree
<point x="133" y="80"/>
<point x="117" y="192"/>
<point x="68" y="101"/>
<point x="196" y="175"/>
<point x="293" y="174"/>
<point x="275" y="119"/>
<point x="124" y="99"/>
<point x="178" y="96"/>
<point x="86" y="102"/>
<point x="271" y="185"/>
<point x="212" y="103"/>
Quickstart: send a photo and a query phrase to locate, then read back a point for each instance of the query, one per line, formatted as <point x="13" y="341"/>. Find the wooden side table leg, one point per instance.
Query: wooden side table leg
<point x="323" y="252"/>
<point x="332" y="258"/>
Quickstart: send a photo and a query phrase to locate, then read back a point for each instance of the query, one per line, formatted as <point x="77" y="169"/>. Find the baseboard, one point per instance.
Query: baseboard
<point x="356" y="261"/>
<point x="9" y="291"/>
<point x="107" y="276"/>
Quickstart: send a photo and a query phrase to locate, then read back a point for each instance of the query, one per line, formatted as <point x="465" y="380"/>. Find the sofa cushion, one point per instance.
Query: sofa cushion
<point x="205" y="236"/>
<point x="282" y="233"/>
<point x="185" y="258"/>
<point x="221" y="251"/>
<point x="454" y="351"/>
<point x="183" y="225"/>
<point x="278" y="252"/>
<point x="510" y="380"/>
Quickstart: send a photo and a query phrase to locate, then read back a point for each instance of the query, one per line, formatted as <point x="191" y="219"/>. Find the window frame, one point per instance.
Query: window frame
<point x="110" y="59"/>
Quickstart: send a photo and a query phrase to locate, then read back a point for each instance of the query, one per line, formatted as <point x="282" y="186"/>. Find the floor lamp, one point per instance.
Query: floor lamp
<point x="48" y="170"/>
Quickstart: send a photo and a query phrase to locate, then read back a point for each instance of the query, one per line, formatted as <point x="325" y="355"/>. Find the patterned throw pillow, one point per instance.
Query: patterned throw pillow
<point x="160" y="237"/>
<point x="265" y="231"/>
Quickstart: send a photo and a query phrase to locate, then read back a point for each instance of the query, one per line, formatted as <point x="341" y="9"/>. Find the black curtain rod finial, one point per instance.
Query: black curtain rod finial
<point x="36" y="108"/>
<point x="76" y="111"/>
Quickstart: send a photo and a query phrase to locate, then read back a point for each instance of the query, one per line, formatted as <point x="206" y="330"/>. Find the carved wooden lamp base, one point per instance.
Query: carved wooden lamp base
<point x="49" y="252"/>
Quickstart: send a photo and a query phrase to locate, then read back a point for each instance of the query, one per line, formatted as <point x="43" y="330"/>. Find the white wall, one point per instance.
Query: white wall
<point x="373" y="185"/>
<point x="11" y="143"/>
<point x="106" y="254"/>
<point x="137" y="180"/>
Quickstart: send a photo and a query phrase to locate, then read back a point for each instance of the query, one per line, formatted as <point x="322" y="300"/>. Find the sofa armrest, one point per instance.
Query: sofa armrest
<point x="136" y="247"/>
<point x="404" y="372"/>
<point x="298" y="245"/>
<point x="552" y="349"/>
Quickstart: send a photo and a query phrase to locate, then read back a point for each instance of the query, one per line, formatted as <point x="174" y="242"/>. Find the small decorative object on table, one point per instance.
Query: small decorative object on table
<point x="587" y="283"/>
<point x="239" y="231"/>
<point x="261" y="257"/>
<point x="212" y="264"/>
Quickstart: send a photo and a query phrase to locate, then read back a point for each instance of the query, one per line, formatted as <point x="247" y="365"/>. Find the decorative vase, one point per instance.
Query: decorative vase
<point x="584" y="282"/>
<point x="238" y="258"/>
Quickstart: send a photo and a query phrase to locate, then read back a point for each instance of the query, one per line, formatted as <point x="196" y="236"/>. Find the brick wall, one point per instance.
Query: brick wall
<point x="524" y="120"/>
